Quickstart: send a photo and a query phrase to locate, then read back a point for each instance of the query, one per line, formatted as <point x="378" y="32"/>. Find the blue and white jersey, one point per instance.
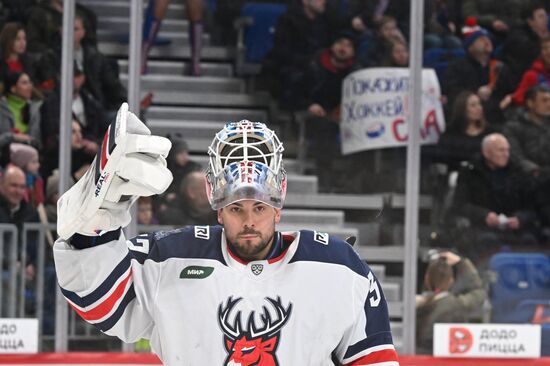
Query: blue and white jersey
<point x="201" y="305"/>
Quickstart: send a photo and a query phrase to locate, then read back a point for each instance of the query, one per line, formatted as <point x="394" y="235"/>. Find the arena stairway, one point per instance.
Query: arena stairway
<point x="197" y="107"/>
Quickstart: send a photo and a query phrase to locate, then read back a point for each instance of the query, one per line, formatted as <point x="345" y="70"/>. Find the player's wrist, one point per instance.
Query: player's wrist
<point x="83" y="241"/>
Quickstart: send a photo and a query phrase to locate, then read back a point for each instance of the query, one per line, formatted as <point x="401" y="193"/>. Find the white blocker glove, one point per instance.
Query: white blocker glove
<point x="130" y="164"/>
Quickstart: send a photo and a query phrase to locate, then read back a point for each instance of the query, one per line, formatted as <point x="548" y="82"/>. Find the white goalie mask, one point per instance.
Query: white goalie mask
<point x="246" y="163"/>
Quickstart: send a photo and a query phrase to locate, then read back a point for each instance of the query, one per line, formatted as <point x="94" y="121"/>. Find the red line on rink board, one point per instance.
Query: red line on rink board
<point x="116" y="358"/>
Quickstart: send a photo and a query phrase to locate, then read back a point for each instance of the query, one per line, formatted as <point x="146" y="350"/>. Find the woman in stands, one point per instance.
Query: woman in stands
<point x="13" y="47"/>
<point x="20" y="112"/>
<point x="462" y="139"/>
<point x="397" y="54"/>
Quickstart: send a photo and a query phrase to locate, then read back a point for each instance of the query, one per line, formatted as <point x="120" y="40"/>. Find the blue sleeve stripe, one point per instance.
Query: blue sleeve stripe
<point x="379" y="339"/>
<point x="113" y="319"/>
<point x="80" y="241"/>
<point x="102" y="289"/>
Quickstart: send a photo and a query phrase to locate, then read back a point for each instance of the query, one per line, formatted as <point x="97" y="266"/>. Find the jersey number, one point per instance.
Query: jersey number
<point x="141" y="244"/>
<point x="374" y="291"/>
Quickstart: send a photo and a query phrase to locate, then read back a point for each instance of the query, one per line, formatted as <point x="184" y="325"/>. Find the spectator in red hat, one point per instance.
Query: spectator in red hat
<point x="477" y="71"/>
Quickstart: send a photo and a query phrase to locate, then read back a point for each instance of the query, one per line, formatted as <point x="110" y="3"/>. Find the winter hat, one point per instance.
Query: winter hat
<point x="21" y="154"/>
<point x="471" y="32"/>
<point x="179" y="145"/>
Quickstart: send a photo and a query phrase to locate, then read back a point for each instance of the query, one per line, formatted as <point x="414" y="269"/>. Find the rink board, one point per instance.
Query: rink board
<point x="141" y="359"/>
<point x="81" y="358"/>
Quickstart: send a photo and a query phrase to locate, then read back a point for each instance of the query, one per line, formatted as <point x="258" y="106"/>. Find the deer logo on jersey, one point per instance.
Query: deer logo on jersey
<point x="251" y="345"/>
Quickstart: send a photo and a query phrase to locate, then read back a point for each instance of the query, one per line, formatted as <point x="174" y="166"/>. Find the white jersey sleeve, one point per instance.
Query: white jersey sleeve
<point x="110" y="285"/>
<point x="368" y="341"/>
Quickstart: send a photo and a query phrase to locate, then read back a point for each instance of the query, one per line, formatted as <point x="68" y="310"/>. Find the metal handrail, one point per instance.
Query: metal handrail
<point x="12" y="237"/>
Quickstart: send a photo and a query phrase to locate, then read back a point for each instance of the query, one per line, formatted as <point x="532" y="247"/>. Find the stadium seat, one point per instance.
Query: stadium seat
<point x="518" y="277"/>
<point x="256" y="26"/>
<point x="258" y="37"/>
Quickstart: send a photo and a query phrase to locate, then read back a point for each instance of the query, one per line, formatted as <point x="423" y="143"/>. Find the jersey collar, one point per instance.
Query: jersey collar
<point x="284" y="249"/>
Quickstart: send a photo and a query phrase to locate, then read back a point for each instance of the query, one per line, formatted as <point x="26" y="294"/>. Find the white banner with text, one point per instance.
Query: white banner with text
<point x="375" y="104"/>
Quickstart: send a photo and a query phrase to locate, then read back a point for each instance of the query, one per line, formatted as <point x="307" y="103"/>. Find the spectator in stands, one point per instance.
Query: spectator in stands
<point x="14" y="210"/>
<point x="397" y="55"/>
<point x="324" y="83"/>
<point x="522" y="46"/>
<point x="154" y="15"/>
<point x="145" y="213"/>
<point x="13" y="46"/>
<point x="452" y="292"/>
<point x="26" y="158"/>
<point x="191" y="207"/>
<point x="366" y="14"/>
<point x="180" y="165"/>
<point x="538" y="74"/>
<point x="496" y="16"/>
<point x="440" y="26"/>
<point x="81" y="155"/>
<point x="24" y="111"/>
<point x="400" y="10"/>
<point x="86" y="110"/>
<point x="498" y="200"/>
<point x="52" y="195"/>
<point x="45" y="24"/>
<point x="371" y="51"/>
<point x="462" y="138"/>
<point x="101" y="79"/>
<point x="16" y="10"/>
<point x="8" y="133"/>
<point x="301" y="32"/>
<point x="476" y="72"/>
<point x="529" y="134"/>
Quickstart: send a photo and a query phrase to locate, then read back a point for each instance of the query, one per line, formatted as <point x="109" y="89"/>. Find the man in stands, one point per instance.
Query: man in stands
<point x="14" y="210"/>
<point x="305" y="29"/>
<point x="498" y="200"/>
<point x="190" y="206"/>
<point x="324" y="79"/>
<point x="476" y="71"/>
<point x="522" y="46"/>
<point x="529" y="133"/>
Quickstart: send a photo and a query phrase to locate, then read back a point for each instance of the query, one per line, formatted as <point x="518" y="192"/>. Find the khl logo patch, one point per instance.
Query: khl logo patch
<point x="257" y="268"/>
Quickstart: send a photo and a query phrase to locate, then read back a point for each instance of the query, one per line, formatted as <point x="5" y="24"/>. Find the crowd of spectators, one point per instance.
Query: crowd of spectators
<point x="495" y="86"/>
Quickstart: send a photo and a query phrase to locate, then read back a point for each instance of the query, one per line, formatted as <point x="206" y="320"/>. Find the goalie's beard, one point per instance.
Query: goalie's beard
<point x="246" y="250"/>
